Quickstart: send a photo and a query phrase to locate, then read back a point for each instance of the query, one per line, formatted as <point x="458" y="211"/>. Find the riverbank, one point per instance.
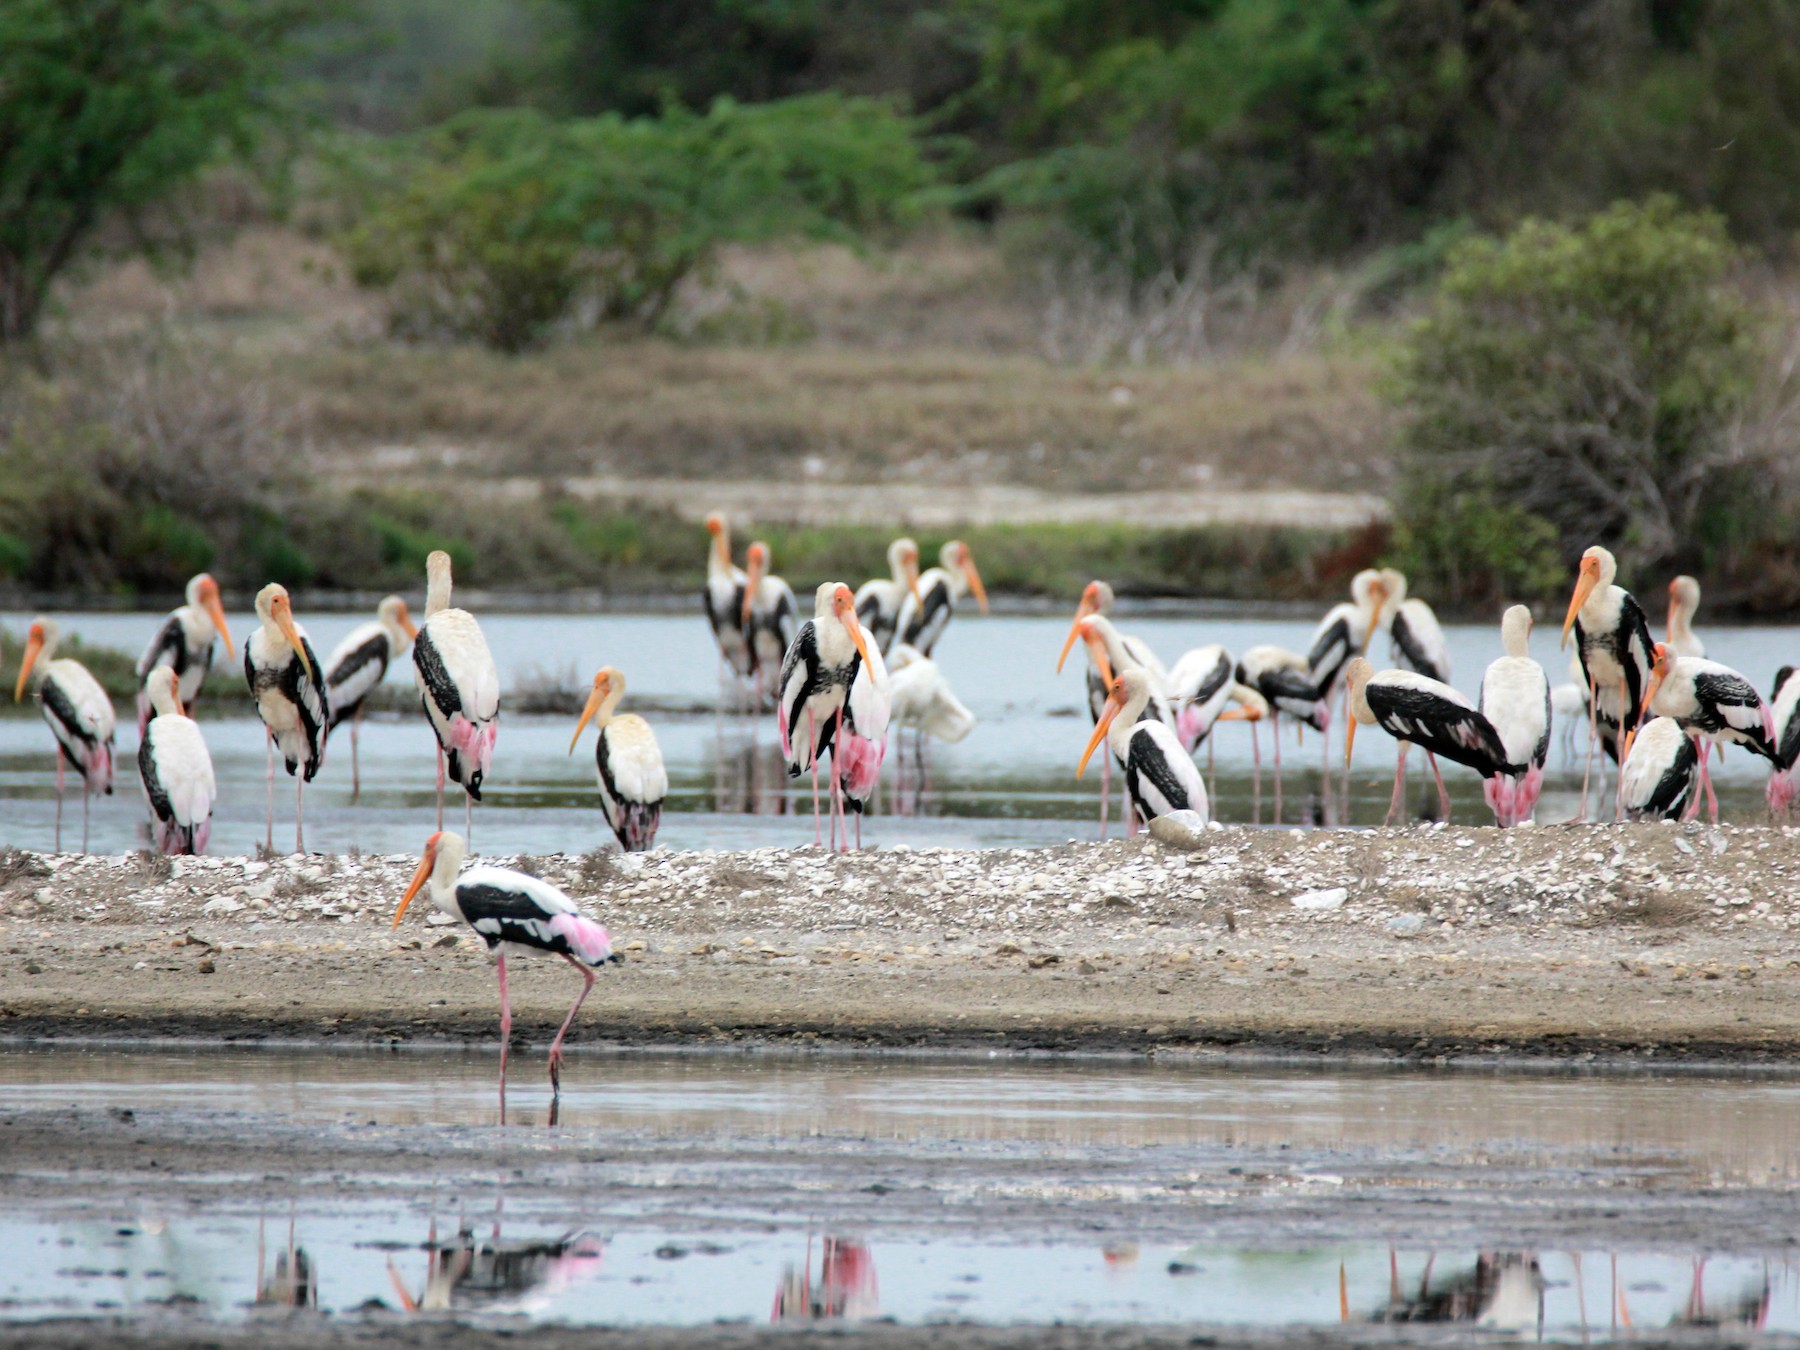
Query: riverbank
<point x="1642" y="942"/>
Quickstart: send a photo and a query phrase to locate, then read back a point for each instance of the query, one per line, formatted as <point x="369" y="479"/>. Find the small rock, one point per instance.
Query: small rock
<point x="1406" y="925"/>
<point x="437" y="919"/>
<point x="448" y="940"/>
<point x="207" y="967"/>
<point x="1183" y="830"/>
<point x="1327" y="899"/>
<point x="221" y="905"/>
<point x="33" y="968"/>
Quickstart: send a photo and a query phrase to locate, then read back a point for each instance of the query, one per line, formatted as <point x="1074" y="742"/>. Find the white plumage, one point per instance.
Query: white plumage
<point x="725" y="583"/>
<point x="1200" y="687"/>
<point x="176" y="770"/>
<point x="628" y="764"/>
<point x="1657" y="780"/>
<point x="770" y="618"/>
<point x="1416" y="638"/>
<point x="1515" y="699"/>
<point x="184" y="644"/>
<point x="458" y="684"/>
<point x="878" y="601"/>
<point x="1160" y="777"/>
<point x="80" y="715"/>
<point x="288" y="686"/>
<point x="1684" y="603"/>
<point x="1344" y="632"/>
<point x="358" y="665"/>
<point x="922" y="621"/>
<point x="920" y="698"/>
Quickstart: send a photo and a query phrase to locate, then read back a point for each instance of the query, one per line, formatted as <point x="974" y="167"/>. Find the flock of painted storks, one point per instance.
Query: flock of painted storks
<point x="863" y="664"/>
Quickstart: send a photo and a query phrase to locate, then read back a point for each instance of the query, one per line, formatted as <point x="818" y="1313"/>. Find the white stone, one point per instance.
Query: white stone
<point x="221" y="905"/>
<point x="1328" y="899"/>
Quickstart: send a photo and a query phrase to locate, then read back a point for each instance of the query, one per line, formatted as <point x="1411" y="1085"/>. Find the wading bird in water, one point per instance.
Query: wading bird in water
<point x="633" y="781"/>
<point x="878" y="602"/>
<point x="1657" y="780"/>
<point x="920" y="700"/>
<point x="1284" y="679"/>
<point x="1416" y="637"/>
<point x="1684" y="603"/>
<point x="288" y="686"/>
<point x="459" y="687"/>
<point x="815" y="683"/>
<point x="176" y="769"/>
<point x="1612" y="638"/>
<point x="512" y="913"/>
<point x="79" y="713"/>
<point x="360" y="663"/>
<point x="1160" y="776"/>
<point x="1415" y="709"/>
<point x="1712" y="703"/>
<point x="769" y="618"/>
<point x="1784" y="705"/>
<point x="184" y="644"/>
<point x="1109" y="653"/>
<point x="1515" y="699"/>
<point x="724" y="595"/>
<point x="859" y="741"/>
<point x="922" y="621"/>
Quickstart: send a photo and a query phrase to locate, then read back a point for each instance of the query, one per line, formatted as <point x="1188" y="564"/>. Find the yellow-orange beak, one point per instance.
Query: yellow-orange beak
<point x="1239" y="714"/>
<point x="756" y="565"/>
<point x="283" y="614"/>
<point x="419" y="879"/>
<point x="209" y="601"/>
<point x="1381" y="599"/>
<point x="1114" y="702"/>
<point x="1584" y="587"/>
<point x="33" y="645"/>
<point x="407" y="625"/>
<point x="595" y="699"/>
<point x="1349" y="738"/>
<point x="968" y="567"/>
<point x="1082" y="610"/>
<point x="912" y="578"/>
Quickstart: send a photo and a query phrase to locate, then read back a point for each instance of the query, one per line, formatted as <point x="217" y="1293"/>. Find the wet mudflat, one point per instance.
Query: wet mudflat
<point x="684" y="1190"/>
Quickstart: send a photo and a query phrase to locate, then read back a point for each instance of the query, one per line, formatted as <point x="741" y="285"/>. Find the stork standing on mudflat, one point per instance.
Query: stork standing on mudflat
<point x="724" y="596"/>
<point x="1284" y="679"/>
<point x="1710" y="702"/>
<point x="79" y="713"/>
<point x="633" y="781"/>
<point x="358" y="664"/>
<point x="1416" y="638"/>
<point x="288" y="686"/>
<point x="1160" y="776"/>
<point x="459" y="686"/>
<point x="922" y="621"/>
<point x="1515" y="699"/>
<point x="1344" y="632"/>
<point x="513" y="914"/>
<point x="1414" y="708"/>
<point x="859" y="740"/>
<point x="878" y="602"/>
<point x="185" y="644"/>
<point x="816" y="676"/>
<point x="770" y="617"/>
<point x="1109" y="653"/>
<point x="1612" y="638"/>
<point x="176" y="769"/>
<point x="1657" y="780"/>
<point x="1784" y="708"/>
<point x="920" y="700"/>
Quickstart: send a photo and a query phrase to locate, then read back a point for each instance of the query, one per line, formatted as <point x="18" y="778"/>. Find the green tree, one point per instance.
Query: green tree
<point x="108" y="106"/>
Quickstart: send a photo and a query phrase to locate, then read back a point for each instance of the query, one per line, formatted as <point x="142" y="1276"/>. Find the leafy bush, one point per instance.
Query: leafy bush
<point x="1573" y="386"/>
<point x="503" y="225"/>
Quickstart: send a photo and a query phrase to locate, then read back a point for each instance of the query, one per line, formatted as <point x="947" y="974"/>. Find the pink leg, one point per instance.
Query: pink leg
<point x="440" y="787"/>
<point x="1712" y="802"/>
<point x="1255" y="776"/>
<point x="300" y="812"/>
<point x="1593" y="742"/>
<point x="1275" y="735"/>
<point x="1443" y="793"/>
<point x="1105" y="787"/>
<point x="812" y="741"/>
<point x="469" y="820"/>
<point x="556" y="1053"/>
<point x="59" y="795"/>
<point x="355" y="756"/>
<point x="269" y="783"/>
<point x="505" y="1031"/>
<point x="1399" y="797"/>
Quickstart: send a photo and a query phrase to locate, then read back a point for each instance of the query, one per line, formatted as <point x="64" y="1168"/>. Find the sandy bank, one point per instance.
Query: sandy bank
<point x="1638" y="940"/>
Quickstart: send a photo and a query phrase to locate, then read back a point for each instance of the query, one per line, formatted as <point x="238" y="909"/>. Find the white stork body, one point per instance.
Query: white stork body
<point x="860" y="740"/>
<point x="1416" y="638"/>
<point x="1684" y="603"/>
<point x="1415" y="709"/>
<point x="628" y="763"/>
<point x="1284" y="679"/>
<point x="920" y="698"/>
<point x="1712" y="703"/>
<point x="1344" y="632"/>
<point x="1784" y="704"/>
<point x="816" y="676"/>
<point x="185" y="644"/>
<point x="459" y="686"/>
<point x="1612" y="638"/>
<point x="80" y="715"/>
<point x="1515" y="699"/>
<point x="513" y="914"/>
<point x="1160" y="776"/>
<point x="770" y="617"/>
<point x="922" y="621"/>
<point x="878" y="602"/>
<point x="358" y="664"/>
<point x="724" y="595"/>
<point x="288" y="685"/>
<point x="1657" y="782"/>
<point x="176" y="770"/>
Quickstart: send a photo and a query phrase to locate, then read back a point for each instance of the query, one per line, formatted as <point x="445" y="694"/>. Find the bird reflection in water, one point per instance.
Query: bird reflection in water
<point x="494" y="1275"/>
<point x="291" y="1282"/>
<point x="845" y="1289"/>
<point x="749" y="779"/>
<point x="1747" y="1306"/>
<point x="1502" y="1289"/>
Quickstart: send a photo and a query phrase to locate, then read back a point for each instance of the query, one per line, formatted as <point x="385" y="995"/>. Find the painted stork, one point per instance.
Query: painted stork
<point x="1712" y="703"/>
<point x="1160" y="776"/>
<point x="459" y="687"/>
<point x="358" y="664"/>
<point x="1097" y="598"/>
<point x="633" y="781"/>
<point x="1659" y="772"/>
<point x="816" y="675"/>
<point x="724" y="595"/>
<point x="185" y="644"/>
<point x="1201" y="685"/>
<point x="920" y="700"/>
<point x="1784" y="704"/>
<point x="768" y="619"/>
<point x="1684" y="603"/>
<point x="1416" y="637"/>
<point x="1284" y="679"/>
<point x="859" y="739"/>
<point x="1569" y="705"/>
<point x="1612" y="638"/>
<point x="288" y="686"/>
<point x="79" y="713"/>
<point x="176" y="769"/>
<point x="1414" y="708"/>
<point x="512" y="913"/>
<point x="1110" y="652"/>
<point x="1515" y="699"/>
<point x="922" y="621"/>
<point x="1344" y="632"/>
<point x="878" y="602"/>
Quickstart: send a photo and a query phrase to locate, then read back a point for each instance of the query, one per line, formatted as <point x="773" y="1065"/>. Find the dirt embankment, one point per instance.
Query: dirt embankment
<point x="1652" y="940"/>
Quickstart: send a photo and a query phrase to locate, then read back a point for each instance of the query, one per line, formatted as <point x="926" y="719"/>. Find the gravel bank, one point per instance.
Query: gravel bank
<point x="1630" y="940"/>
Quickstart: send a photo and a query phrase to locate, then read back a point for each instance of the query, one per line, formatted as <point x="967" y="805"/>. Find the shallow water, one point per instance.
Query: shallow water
<point x="597" y="1253"/>
<point x="1012" y="782"/>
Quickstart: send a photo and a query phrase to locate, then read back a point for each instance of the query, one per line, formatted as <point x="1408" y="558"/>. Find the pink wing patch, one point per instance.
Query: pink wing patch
<point x="587" y="939"/>
<point x="862" y="762"/>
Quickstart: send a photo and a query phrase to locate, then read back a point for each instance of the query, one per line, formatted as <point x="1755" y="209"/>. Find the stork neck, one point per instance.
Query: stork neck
<point x="450" y="854"/>
<point x="718" y="562"/>
<point x="437" y="591"/>
<point x="608" y="707"/>
<point x="163" y="699"/>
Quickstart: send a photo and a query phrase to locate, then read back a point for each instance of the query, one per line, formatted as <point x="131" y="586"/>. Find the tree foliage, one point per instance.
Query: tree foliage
<point x="502" y="225"/>
<point x="1577" y="386"/>
<point x="108" y="106"/>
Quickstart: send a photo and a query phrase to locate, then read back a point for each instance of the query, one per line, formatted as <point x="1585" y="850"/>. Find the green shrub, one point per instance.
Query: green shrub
<point x="1574" y="386"/>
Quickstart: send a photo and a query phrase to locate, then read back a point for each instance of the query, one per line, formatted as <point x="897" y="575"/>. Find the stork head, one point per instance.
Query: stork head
<point x="277" y="611"/>
<point x="163" y="689"/>
<point x="1684" y="599"/>
<point x="203" y="594"/>
<point x="1597" y="569"/>
<point x="396" y="617"/>
<point x="843" y="606"/>
<point x="1127" y="688"/>
<point x="756" y="567"/>
<point x="958" y="558"/>
<point x="40" y="644"/>
<point x="609" y="688"/>
<point x="443" y="853"/>
<point x="1096" y="598"/>
<point x="1515" y="631"/>
<point x="1662" y="665"/>
<point x="1357" y="673"/>
<point x="903" y="562"/>
<point x="715" y="524"/>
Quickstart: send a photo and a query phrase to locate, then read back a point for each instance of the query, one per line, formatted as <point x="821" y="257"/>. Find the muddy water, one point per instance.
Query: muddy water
<point x="1011" y="782"/>
<point x="686" y="1189"/>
